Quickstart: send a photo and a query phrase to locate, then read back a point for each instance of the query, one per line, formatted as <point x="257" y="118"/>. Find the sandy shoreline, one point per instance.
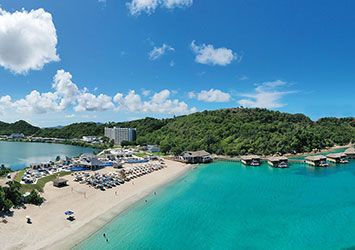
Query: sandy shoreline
<point x="93" y="209"/>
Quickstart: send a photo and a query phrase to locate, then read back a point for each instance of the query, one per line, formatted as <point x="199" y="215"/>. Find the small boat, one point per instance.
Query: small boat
<point x="255" y="163"/>
<point x="283" y="165"/>
<point x="323" y="164"/>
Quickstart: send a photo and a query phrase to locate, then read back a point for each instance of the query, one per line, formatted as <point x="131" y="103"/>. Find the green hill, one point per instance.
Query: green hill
<point x="228" y="131"/>
<point x="17" y="127"/>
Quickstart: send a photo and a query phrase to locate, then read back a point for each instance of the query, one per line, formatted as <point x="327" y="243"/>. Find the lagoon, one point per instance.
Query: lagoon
<point x="18" y="155"/>
<point x="226" y="205"/>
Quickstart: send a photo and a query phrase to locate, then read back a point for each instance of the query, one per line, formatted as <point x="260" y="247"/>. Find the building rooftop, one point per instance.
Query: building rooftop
<point x="350" y="151"/>
<point x="201" y="153"/>
<point x="250" y="157"/>
<point x="60" y="180"/>
<point x="337" y="155"/>
<point x="279" y="158"/>
<point x="315" y="158"/>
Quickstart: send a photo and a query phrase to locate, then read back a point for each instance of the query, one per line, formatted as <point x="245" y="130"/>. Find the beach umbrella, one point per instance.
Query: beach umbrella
<point x="69" y="212"/>
<point x="28" y="217"/>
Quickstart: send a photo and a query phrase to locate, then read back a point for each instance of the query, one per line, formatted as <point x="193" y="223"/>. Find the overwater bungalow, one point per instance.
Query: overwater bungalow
<point x="251" y="160"/>
<point x="278" y="162"/>
<point x="317" y="160"/>
<point x="337" y="158"/>
<point x="350" y="153"/>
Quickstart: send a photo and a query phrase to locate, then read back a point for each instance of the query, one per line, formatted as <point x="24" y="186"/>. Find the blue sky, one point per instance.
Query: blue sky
<point x="115" y="60"/>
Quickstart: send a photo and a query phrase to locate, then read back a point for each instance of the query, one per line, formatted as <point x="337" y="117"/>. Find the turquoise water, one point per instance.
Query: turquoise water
<point x="18" y="155"/>
<point x="228" y="206"/>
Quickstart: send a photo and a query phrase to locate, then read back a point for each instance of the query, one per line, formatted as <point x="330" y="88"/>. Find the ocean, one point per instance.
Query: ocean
<point x="227" y="205"/>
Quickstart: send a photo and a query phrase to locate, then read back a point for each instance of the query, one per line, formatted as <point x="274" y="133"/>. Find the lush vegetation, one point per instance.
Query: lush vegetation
<point x="17" y="127"/>
<point x="10" y="196"/>
<point x="229" y="131"/>
<point x="4" y="171"/>
<point x="75" y="130"/>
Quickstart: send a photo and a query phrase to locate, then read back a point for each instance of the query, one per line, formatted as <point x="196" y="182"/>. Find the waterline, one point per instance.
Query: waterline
<point x="227" y="206"/>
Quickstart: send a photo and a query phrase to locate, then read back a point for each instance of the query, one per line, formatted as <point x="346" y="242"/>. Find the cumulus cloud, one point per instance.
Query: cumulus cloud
<point x="159" y="51"/>
<point x="266" y="95"/>
<point x="28" y="40"/>
<point x="5" y="102"/>
<point x="37" y="103"/>
<point x="136" y="7"/>
<point x="213" y="95"/>
<point x="207" y="54"/>
<point x="90" y="102"/>
<point x="65" y="88"/>
<point x="158" y="103"/>
<point x="65" y="94"/>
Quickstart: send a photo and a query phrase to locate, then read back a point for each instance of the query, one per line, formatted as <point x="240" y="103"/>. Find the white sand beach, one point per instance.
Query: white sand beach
<point x="93" y="208"/>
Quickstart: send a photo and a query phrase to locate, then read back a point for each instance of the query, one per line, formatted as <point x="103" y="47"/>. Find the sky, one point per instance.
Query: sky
<point x="117" y="60"/>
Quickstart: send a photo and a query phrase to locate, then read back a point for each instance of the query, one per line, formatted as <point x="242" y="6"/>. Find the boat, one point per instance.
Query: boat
<point x="255" y="163"/>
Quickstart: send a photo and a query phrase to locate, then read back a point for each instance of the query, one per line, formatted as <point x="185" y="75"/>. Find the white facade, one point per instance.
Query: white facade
<point x="121" y="134"/>
<point x="89" y="138"/>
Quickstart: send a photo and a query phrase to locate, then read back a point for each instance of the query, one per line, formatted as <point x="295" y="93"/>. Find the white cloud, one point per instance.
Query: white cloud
<point x="136" y="7"/>
<point x="243" y="78"/>
<point x="191" y="95"/>
<point x="158" y="103"/>
<point x="146" y="92"/>
<point x="66" y="94"/>
<point x="5" y="102"/>
<point x="70" y="116"/>
<point x="159" y="51"/>
<point x="172" y="63"/>
<point x="28" y="40"/>
<point x="90" y="102"/>
<point x="266" y="96"/>
<point x="65" y="88"/>
<point x="213" y="95"/>
<point x="37" y="103"/>
<point x="176" y="3"/>
<point x="207" y="54"/>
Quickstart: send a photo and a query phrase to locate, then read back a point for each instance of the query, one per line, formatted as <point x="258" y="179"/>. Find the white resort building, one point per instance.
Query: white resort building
<point x="121" y="134"/>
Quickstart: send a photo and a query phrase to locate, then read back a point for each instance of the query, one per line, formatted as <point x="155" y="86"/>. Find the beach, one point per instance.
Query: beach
<point x="92" y="208"/>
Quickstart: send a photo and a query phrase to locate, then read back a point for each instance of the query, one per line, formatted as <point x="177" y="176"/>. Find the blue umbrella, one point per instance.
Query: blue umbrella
<point x="69" y="212"/>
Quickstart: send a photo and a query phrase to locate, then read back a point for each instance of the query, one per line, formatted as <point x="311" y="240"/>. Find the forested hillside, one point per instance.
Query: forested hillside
<point x="229" y="131"/>
<point x="17" y="127"/>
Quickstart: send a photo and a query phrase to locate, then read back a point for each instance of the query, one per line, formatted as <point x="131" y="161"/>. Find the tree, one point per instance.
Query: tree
<point x="57" y="158"/>
<point x="112" y="143"/>
<point x="7" y="205"/>
<point x="34" y="198"/>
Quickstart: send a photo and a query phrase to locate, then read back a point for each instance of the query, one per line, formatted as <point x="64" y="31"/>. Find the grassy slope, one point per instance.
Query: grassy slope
<point x="40" y="183"/>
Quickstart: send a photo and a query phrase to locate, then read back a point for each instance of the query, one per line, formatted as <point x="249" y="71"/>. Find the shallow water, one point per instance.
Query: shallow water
<point x="229" y="206"/>
<point x="18" y="155"/>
